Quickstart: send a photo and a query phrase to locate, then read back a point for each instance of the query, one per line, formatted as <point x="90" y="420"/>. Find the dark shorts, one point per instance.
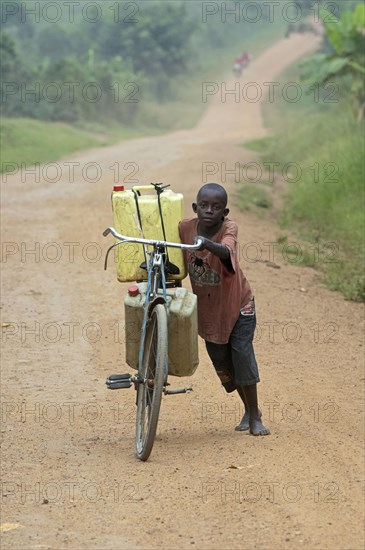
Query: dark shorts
<point x="235" y="362"/>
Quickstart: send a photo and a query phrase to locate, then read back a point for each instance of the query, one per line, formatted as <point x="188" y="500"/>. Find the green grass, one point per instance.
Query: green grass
<point x="326" y="204"/>
<point x="260" y="145"/>
<point x="308" y="255"/>
<point x="27" y="141"/>
<point x="250" y="197"/>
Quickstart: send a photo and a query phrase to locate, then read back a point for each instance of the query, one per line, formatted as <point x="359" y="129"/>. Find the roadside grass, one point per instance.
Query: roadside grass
<point x="251" y="197"/>
<point x="260" y="145"/>
<point x="322" y="144"/>
<point x="306" y="254"/>
<point x="29" y="141"/>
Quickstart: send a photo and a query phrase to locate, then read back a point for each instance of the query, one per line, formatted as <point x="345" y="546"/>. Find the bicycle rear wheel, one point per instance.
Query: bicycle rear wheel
<point x="152" y="381"/>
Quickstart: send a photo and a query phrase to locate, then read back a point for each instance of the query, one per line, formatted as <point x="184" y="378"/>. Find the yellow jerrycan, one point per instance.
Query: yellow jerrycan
<point x="183" y="356"/>
<point x="136" y="213"/>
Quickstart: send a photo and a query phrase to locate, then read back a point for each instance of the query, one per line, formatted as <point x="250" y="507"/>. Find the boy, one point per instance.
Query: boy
<point x="226" y="307"/>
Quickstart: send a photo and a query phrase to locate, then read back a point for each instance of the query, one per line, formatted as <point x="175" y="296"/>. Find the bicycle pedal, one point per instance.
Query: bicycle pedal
<point x="118" y="381"/>
<point x="118" y="377"/>
<point x="118" y="384"/>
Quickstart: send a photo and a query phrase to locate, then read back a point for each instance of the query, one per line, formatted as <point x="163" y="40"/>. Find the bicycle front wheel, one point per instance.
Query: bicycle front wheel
<point x="152" y="379"/>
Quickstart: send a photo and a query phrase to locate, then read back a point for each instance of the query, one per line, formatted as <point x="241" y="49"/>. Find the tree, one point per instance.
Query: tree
<point x="13" y="72"/>
<point x="54" y="42"/>
<point x="157" y="43"/>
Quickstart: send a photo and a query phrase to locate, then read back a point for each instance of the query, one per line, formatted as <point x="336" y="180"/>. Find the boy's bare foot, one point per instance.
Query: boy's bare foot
<point x="244" y="425"/>
<point x="257" y="427"/>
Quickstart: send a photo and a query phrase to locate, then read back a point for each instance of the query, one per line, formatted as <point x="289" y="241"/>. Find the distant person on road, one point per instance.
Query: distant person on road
<point x="237" y="67"/>
<point x="226" y="306"/>
<point x="245" y="59"/>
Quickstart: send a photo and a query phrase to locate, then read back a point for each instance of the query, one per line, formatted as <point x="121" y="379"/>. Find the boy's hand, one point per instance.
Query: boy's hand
<point x="203" y="242"/>
<point x="220" y="250"/>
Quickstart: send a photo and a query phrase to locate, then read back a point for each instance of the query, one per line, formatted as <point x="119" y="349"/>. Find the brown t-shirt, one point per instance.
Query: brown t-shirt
<point x="221" y="287"/>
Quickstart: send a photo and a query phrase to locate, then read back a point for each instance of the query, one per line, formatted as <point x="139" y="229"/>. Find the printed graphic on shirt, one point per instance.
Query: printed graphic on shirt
<point x="201" y="272"/>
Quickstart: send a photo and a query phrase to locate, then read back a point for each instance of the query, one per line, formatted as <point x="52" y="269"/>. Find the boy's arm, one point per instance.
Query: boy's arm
<point x="219" y="250"/>
<point x="226" y="250"/>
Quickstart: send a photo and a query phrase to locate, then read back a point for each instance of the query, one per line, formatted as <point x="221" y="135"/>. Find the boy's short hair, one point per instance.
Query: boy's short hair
<point x="214" y="187"/>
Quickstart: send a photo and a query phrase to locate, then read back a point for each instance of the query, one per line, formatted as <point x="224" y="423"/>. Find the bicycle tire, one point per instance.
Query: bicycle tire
<point x="152" y="381"/>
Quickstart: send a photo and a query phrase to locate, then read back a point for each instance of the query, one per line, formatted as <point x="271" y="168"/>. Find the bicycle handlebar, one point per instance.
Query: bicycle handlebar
<point x="124" y="239"/>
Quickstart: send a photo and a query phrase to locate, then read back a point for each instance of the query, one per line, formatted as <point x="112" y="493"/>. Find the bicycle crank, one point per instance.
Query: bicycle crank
<point x="174" y="392"/>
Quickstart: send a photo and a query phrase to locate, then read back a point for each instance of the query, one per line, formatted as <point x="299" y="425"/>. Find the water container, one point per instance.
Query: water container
<point x="129" y="256"/>
<point x="183" y="356"/>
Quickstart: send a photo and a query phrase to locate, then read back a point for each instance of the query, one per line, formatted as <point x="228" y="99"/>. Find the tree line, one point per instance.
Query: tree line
<point x="77" y="61"/>
<point x="103" y="60"/>
<point x="63" y="70"/>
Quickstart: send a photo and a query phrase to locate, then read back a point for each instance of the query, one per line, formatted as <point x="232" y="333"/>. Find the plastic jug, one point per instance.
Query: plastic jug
<point x="146" y="225"/>
<point x="183" y="357"/>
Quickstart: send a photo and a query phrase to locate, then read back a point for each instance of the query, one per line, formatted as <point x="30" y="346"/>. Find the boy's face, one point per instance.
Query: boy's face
<point x="210" y="208"/>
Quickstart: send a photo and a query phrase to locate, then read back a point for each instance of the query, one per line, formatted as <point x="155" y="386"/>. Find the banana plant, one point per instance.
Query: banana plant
<point x="346" y="36"/>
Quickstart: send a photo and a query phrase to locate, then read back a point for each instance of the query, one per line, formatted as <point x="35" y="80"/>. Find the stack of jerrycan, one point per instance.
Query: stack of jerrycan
<point x="137" y="214"/>
<point x="183" y="356"/>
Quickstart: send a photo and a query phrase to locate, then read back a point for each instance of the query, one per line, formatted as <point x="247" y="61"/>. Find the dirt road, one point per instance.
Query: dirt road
<point x="70" y="478"/>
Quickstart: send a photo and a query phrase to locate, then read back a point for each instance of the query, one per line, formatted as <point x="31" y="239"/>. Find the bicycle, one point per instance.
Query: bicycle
<point x="151" y="380"/>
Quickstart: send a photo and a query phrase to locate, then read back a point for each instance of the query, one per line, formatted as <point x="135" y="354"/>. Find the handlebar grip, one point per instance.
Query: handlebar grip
<point x="106" y="232"/>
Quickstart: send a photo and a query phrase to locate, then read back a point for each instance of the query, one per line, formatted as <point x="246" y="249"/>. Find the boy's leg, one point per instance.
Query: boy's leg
<point x="256" y="427"/>
<point x="246" y="371"/>
<point x="244" y="425"/>
<point x="220" y="355"/>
